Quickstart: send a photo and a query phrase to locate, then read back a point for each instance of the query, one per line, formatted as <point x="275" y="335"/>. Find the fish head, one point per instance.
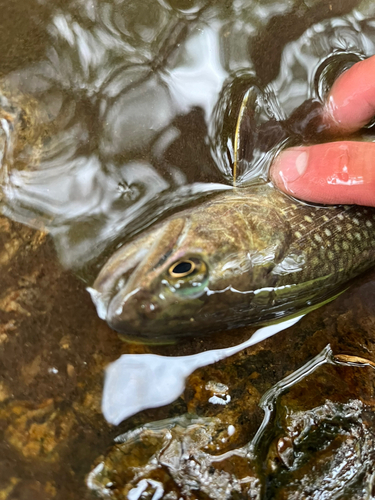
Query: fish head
<point x="166" y="283"/>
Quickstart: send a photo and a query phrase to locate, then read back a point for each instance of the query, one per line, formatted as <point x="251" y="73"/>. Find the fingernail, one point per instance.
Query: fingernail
<point x="290" y="165"/>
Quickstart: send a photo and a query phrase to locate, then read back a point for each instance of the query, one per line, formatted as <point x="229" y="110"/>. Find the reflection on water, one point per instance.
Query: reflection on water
<point x="122" y="95"/>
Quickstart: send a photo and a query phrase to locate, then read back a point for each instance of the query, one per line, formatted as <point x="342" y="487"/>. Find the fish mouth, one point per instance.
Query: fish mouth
<point x="120" y="291"/>
<point x="114" y="273"/>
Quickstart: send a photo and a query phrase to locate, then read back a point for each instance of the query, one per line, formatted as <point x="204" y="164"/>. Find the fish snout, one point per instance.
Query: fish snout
<point x="132" y="315"/>
<point x="126" y="290"/>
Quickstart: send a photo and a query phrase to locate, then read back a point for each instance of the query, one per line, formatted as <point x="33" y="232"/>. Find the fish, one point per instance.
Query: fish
<point x="250" y="255"/>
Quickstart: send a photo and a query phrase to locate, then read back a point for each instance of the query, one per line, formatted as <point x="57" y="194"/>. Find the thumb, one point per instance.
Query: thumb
<point x="351" y="101"/>
<point x="331" y="173"/>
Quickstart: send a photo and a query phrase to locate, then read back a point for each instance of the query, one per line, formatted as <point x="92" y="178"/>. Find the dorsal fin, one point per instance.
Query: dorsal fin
<point x="238" y="146"/>
<point x="259" y="128"/>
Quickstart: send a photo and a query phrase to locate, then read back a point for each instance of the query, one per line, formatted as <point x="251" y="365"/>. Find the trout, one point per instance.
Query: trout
<point x="248" y="256"/>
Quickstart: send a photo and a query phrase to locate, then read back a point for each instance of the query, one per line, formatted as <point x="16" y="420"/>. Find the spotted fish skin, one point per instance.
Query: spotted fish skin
<point x="260" y="256"/>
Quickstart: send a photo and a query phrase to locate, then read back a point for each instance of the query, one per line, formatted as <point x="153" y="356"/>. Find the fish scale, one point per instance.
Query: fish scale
<point x="333" y="235"/>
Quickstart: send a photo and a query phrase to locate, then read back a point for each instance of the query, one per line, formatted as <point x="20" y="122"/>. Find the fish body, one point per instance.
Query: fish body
<point x="247" y="256"/>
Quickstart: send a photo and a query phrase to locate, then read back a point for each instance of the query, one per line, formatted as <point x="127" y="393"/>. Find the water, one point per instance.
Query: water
<point x="127" y="114"/>
<point x="131" y="105"/>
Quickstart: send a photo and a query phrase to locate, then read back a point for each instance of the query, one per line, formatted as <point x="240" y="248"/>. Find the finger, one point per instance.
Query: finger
<point x="351" y="101"/>
<point x="331" y="173"/>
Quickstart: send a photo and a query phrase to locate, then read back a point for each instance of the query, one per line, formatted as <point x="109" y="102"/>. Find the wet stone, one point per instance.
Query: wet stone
<point x="37" y="432"/>
<point x="316" y="438"/>
<point x="184" y="457"/>
<point x="328" y="450"/>
<point x="45" y="402"/>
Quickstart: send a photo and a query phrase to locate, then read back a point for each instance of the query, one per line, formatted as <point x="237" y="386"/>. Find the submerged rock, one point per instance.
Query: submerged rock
<point x="181" y="457"/>
<point x="298" y="451"/>
<point x="324" y="452"/>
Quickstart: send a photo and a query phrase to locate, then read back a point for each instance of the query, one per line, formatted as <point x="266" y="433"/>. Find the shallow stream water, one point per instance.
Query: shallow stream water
<point x="136" y="102"/>
<point x="128" y="110"/>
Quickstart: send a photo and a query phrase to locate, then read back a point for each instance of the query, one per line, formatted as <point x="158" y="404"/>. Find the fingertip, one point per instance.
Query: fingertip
<point x="289" y="166"/>
<point x="330" y="173"/>
<point x="351" y="101"/>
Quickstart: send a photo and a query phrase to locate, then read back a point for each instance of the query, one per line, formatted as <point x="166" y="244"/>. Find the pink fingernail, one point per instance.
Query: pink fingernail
<point x="290" y="165"/>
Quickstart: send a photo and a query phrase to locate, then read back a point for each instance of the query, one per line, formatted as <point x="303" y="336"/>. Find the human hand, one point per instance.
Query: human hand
<point x="342" y="171"/>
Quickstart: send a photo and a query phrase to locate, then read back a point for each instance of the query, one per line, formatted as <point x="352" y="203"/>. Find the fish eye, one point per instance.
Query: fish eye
<point x="182" y="268"/>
